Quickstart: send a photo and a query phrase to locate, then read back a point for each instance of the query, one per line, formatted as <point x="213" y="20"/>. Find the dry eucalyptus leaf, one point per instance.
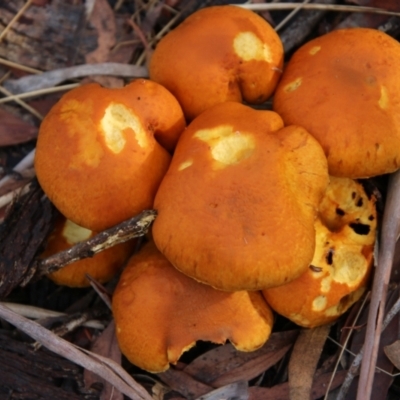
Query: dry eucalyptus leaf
<point x="225" y="364"/>
<point x="281" y="392"/>
<point x="184" y="383"/>
<point x="106" y="368"/>
<point x="107" y="346"/>
<point x="303" y="361"/>
<point x="234" y="391"/>
<point x="14" y="130"/>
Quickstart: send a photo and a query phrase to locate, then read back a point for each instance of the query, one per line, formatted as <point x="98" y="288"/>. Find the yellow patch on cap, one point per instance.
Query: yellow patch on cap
<point x="319" y="303"/>
<point x="249" y="47"/>
<point x="384" y="99"/>
<point x="185" y="164"/>
<point x="292" y="86"/>
<point x="314" y="50"/>
<point x="227" y="146"/>
<point x="116" y="120"/>
<point x="74" y="233"/>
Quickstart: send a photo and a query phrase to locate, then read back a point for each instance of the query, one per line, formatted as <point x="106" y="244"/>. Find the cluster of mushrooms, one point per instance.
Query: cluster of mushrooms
<point x="257" y="209"/>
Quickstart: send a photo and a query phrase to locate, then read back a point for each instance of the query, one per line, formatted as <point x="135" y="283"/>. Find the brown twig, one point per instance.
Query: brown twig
<point x="389" y="234"/>
<point x="127" y="230"/>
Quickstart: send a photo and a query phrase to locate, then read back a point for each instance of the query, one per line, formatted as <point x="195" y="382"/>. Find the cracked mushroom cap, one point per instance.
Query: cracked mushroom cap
<point x="160" y="313"/>
<point x="102" y="266"/>
<point x="218" y="54"/>
<point x="237" y="206"/>
<point x="100" y="154"/>
<point x="344" y="88"/>
<point x="339" y="272"/>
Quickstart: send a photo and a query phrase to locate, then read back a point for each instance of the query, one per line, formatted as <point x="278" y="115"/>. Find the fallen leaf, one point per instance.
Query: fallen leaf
<point x="303" y="361"/>
<point x="106" y="345"/>
<point x="224" y="364"/>
<point x="281" y="392"/>
<point x="14" y="130"/>
<point x="234" y="391"/>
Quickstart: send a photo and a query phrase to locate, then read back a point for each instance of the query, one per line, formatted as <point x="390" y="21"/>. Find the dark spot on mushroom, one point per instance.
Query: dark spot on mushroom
<point x="359" y="202"/>
<point x="262" y="233"/>
<point x="138" y="98"/>
<point x="371" y="217"/>
<point x="359" y="228"/>
<point x="314" y="268"/>
<point x="340" y="212"/>
<point x="329" y="257"/>
<point x="377" y="146"/>
<point x="353" y="195"/>
<point x="213" y="205"/>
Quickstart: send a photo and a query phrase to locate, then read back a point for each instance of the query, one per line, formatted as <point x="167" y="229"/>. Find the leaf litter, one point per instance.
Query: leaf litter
<point x="290" y="365"/>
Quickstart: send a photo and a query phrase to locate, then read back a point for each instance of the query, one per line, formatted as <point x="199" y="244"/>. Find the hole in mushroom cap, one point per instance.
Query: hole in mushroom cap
<point x="249" y="47"/>
<point x="227" y="146"/>
<point x="117" y="118"/>
<point x="74" y="233"/>
<point x="359" y="228"/>
<point x="292" y="86"/>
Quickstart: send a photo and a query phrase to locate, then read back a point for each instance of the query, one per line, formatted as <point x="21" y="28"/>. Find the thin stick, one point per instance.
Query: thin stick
<point x="34" y="93"/>
<point x="134" y="227"/>
<point x="324" y="7"/>
<point x="290" y="16"/>
<point x="389" y="234"/>
<point x="21" y="67"/>
<point x="17" y="15"/>
<point x="22" y="103"/>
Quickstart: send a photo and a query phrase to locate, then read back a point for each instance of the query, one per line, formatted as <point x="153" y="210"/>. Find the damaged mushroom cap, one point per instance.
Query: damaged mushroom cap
<point x="218" y="54"/>
<point x="99" y="157"/>
<point x="237" y="206"/>
<point x="102" y="266"/>
<point x="339" y="272"/>
<point x="344" y="88"/>
<point x="160" y="313"/>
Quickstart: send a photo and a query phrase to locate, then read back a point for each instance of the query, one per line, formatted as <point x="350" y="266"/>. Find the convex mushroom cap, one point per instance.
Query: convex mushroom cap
<point x="236" y="208"/>
<point x="160" y="313"/>
<point x="102" y="266"/>
<point x="338" y="274"/>
<point x="100" y="154"/>
<point x="344" y="88"/>
<point x="218" y="54"/>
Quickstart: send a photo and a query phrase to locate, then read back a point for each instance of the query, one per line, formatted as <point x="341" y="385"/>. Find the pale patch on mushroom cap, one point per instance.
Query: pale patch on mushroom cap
<point x="347" y="95"/>
<point x="252" y="184"/>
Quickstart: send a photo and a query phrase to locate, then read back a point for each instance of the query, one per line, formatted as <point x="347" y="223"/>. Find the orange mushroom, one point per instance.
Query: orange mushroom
<point x="160" y="313"/>
<point x="338" y="274"/>
<point x="237" y="206"/>
<point x="344" y="88"/>
<point x="218" y="54"/>
<point x="102" y="266"/>
<point x="100" y="154"/>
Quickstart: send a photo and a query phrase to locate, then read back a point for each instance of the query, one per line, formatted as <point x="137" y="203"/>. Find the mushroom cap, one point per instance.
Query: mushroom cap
<point x="102" y="266"/>
<point x="236" y="208"/>
<point x="339" y="272"/>
<point x="97" y="157"/>
<point x="344" y="88"/>
<point x="160" y="313"/>
<point x="218" y="54"/>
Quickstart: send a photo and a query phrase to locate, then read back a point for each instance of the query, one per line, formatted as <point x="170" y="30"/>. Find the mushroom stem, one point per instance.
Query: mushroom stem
<point x="390" y="232"/>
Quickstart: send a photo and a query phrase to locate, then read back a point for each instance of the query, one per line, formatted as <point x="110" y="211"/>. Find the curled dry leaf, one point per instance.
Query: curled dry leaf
<point x="224" y="365"/>
<point x="14" y="130"/>
<point x="303" y="362"/>
<point x="107" y="346"/>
